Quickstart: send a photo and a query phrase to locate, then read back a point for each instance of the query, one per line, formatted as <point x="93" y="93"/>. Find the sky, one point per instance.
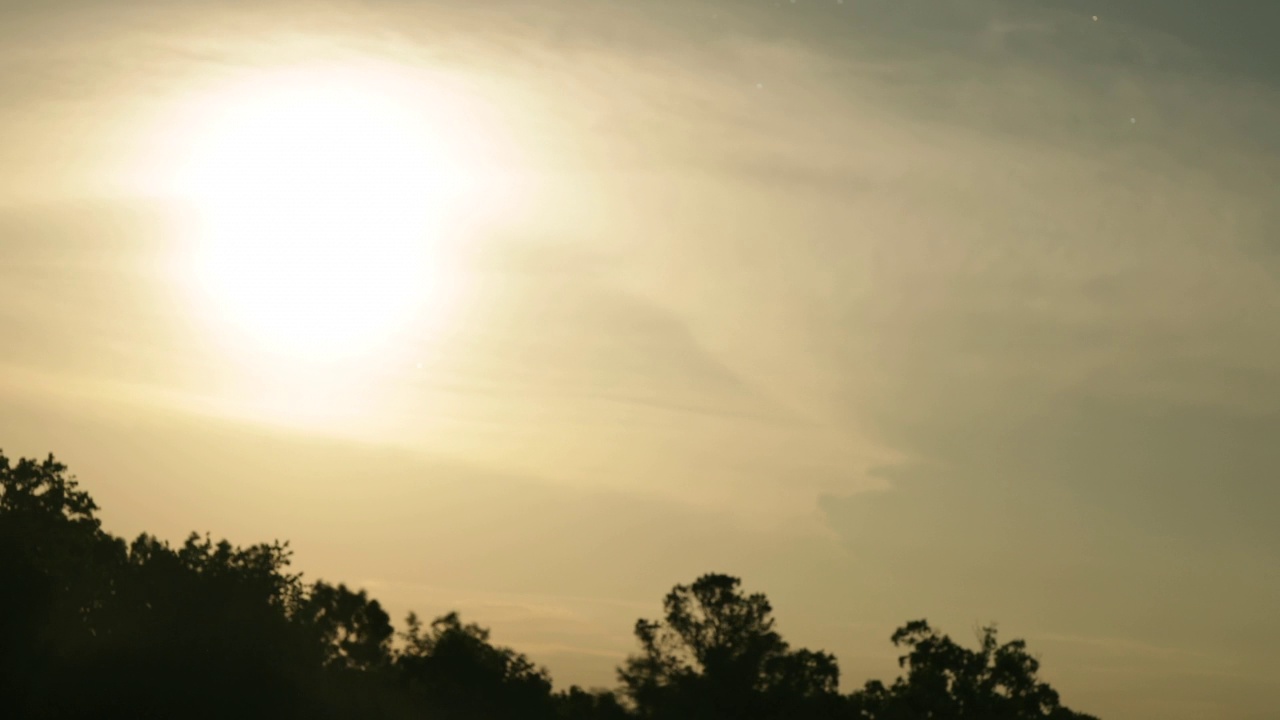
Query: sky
<point x="955" y="310"/>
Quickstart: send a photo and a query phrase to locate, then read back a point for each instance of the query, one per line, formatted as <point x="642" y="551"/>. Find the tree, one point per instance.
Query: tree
<point x="717" y="654"/>
<point x="353" y="631"/>
<point x="204" y="629"/>
<point x="454" y="669"/>
<point x="185" y="624"/>
<point x="578" y="704"/>
<point x="948" y="682"/>
<point x="93" y="627"/>
<point x="56" y="566"/>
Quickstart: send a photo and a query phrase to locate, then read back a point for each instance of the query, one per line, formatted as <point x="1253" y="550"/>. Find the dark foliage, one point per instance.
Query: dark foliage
<point x="716" y="655"/>
<point x="94" y="627"/>
<point x="948" y="682"/>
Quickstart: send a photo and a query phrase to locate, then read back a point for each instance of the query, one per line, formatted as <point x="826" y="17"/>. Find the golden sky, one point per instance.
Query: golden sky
<point x="965" y="311"/>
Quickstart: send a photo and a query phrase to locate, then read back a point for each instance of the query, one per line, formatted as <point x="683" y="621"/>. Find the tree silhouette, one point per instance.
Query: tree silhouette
<point x="57" y="564"/>
<point x="93" y="627"/>
<point x="182" y="625"/>
<point x="578" y="704"/>
<point x="455" y="670"/>
<point x="716" y="654"/>
<point x="353" y="631"/>
<point x="949" y="682"/>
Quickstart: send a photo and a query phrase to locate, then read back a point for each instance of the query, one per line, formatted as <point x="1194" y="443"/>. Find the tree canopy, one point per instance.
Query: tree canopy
<point x="92" y="626"/>
<point x="949" y="682"/>
<point x="717" y="654"/>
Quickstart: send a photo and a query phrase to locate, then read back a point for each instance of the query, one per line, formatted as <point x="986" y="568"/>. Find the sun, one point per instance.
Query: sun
<point x="317" y="196"/>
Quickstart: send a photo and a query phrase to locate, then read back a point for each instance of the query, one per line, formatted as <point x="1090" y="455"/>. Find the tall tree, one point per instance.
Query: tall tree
<point x="57" y="567"/>
<point x="946" y="681"/>
<point x="716" y="654"/>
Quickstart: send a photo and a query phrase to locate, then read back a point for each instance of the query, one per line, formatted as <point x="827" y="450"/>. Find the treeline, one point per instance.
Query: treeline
<point x="94" y="627"/>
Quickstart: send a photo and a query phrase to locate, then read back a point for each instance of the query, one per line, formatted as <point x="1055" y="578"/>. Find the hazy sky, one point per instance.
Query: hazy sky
<point x="895" y="308"/>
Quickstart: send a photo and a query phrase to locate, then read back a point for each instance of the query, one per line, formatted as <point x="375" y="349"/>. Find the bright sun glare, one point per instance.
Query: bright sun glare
<point x="316" y="195"/>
